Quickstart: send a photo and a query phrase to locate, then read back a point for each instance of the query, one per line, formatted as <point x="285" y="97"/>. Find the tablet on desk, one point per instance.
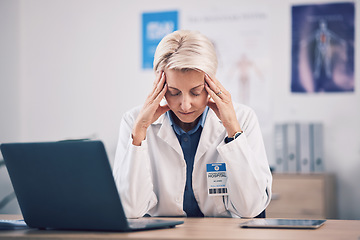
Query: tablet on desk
<point x="283" y="223"/>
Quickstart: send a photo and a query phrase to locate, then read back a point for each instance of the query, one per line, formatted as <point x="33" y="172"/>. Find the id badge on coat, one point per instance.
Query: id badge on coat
<point x="216" y="179"/>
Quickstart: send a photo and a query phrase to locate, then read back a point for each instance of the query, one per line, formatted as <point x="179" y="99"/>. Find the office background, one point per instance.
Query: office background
<point x="70" y="69"/>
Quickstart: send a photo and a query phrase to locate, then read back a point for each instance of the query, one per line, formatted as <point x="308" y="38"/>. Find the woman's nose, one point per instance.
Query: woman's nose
<point x="185" y="103"/>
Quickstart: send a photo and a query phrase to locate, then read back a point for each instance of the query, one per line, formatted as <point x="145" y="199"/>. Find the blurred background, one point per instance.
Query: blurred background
<point x="70" y="69"/>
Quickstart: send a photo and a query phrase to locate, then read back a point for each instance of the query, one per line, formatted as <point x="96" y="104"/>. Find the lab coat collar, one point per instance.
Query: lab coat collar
<point x="168" y="136"/>
<point x="180" y="131"/>
<point x="210" y="133"/>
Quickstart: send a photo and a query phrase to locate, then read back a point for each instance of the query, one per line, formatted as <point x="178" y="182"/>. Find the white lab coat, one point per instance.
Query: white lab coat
<point x="151" y="177"/>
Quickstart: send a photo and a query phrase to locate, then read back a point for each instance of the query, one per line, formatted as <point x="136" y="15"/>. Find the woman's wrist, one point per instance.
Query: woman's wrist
<point x="233" y="129"/>
<point x="138" y="135"/>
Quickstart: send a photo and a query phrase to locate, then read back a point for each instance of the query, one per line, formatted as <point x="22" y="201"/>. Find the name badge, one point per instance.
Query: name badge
<point x="216" y="179"/>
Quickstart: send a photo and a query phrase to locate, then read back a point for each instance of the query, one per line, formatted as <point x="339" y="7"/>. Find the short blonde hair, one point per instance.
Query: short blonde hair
<point x="186" y="50"/>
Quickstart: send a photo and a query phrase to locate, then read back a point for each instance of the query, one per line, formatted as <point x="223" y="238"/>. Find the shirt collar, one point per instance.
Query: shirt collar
<point x="178" y="130"/>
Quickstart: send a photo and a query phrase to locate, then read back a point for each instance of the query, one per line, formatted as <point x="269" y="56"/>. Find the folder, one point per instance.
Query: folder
<point x="304" y="155"/>
<point x="292" y="147"/>
<point x="279" y="142"/>
<point x="316" y="136"/>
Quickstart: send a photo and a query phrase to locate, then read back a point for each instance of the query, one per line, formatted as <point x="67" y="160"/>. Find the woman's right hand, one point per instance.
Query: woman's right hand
<point x="151" y="110"/>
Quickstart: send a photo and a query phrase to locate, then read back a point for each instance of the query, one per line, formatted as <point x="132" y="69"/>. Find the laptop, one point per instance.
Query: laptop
<point x="69" y="185"/>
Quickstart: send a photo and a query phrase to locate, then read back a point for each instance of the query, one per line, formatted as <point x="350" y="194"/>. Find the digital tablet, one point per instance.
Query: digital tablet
<point x="283" y="223"/>
<point x="12" y="224"/>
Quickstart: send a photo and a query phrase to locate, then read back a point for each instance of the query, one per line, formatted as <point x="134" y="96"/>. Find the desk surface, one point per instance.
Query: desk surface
<point x="201" y="228"/>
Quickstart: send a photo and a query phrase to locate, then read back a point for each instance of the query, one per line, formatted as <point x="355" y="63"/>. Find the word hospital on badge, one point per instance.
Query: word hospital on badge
<point x="216" y="179"/>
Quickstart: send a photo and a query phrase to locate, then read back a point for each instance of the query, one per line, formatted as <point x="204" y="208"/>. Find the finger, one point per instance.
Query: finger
<point x="161" y="109"/>
<point x="157" y="77"/>
<point x="217" y="85"/>
<point x="159" y="87"/>
<point x="155" y="83"/>
<point x="216" y="82"/>
<point x="161" y="94"/>
<point x="212" y="84"/>
<point x="161" y="84"/>
<point x="212" y="94"/>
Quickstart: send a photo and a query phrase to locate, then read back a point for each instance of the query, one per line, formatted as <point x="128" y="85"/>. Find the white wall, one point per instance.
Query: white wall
<point x="9" y="70"/>
<point x="9" y="87"/>
<point x="74" y="67"/>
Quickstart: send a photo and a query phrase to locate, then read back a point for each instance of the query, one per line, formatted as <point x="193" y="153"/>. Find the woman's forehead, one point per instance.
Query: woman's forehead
<point x="184" y="79"/>
<point x="192" y="88"/>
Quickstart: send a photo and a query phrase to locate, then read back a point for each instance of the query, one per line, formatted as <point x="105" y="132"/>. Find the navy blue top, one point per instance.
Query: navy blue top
<point x="189" y="142"/>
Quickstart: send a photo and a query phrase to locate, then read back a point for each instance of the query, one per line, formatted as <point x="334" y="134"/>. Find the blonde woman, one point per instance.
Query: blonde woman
<point x="196" y="155"/>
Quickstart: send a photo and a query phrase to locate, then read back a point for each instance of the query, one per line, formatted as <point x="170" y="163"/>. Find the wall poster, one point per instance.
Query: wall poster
<point x="155" y="26"/>
<point x="323" y="48"/>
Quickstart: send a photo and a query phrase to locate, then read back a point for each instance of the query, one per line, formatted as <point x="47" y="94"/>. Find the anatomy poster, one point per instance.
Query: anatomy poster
<point x="241" y="38"/>
<point x="323" y="48"/>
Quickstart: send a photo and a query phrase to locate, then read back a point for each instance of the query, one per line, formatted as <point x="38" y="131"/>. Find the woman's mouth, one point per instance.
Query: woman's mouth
<point x="186" y="113"/>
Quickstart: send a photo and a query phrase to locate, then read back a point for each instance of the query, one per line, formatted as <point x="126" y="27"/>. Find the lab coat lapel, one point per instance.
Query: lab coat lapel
<point x="210" y="133"/>
<point x="167" y="134"/>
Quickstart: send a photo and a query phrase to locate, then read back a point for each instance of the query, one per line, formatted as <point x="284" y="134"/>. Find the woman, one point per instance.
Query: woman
<point x="167" y="153"/>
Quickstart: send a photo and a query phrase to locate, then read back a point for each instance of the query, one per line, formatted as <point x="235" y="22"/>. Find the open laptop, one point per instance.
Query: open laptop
<point x="69" y="185"/>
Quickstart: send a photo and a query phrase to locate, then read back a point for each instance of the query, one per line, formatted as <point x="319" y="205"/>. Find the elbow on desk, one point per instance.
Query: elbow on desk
<point x="254" y="214"/>
<point x="139" y="209"/>
<point x="133" y="212"/>
<point x="255" y="208"/>
<point x="250" y="212"/>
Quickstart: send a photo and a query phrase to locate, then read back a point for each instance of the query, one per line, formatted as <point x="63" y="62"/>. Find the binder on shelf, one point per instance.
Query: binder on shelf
<point x="279" y="143"/>
<point x="292" y="148"/>
<point x="304" y="156"/>
<point x="316" y="136"/>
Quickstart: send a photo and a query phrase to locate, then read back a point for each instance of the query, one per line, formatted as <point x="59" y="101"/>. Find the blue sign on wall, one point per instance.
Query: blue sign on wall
<point x="155" y="26"/>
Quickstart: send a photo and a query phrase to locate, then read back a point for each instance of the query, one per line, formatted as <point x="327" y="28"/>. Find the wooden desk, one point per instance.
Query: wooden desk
<point x="201" y="228"/>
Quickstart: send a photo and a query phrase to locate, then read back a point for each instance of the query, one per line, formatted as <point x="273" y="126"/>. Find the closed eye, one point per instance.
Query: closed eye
<point x="173" y="93"/>
<point x="197" y="90"/>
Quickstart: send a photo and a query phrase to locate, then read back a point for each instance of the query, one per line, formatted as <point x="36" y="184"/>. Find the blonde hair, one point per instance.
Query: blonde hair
<point x="186" y="50"/>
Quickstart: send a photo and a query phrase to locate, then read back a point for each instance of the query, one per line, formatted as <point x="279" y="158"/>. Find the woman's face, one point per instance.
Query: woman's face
<point x="186" y="94"/>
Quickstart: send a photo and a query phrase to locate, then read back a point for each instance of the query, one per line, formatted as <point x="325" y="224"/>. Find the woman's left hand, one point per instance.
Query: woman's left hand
<point x="221" y="104"/>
